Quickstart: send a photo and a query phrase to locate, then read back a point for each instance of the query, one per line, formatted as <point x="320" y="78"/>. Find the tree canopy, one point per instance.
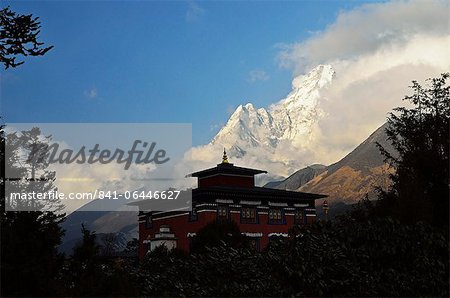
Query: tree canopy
<point x="420" y="135"/>
<point x="19" y="36"/>
<point x="30" y="261"/>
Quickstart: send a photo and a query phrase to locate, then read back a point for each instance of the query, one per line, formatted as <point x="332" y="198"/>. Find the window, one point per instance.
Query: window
<point x="193" y="216"/>
<point x="249" y="215"/>
<point x="191" y="240"/>
<point x="276" y="216"/>
<point x="222" y="212"/>
<point x="299" y="217"/>
<point x="148" y="222"/>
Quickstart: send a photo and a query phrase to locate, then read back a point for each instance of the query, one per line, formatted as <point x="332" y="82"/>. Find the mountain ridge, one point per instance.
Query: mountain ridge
<point x="351" y="178"/>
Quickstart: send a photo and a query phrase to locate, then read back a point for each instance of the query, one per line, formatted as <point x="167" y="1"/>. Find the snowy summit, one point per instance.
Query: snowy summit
<point x="287" y="123"/>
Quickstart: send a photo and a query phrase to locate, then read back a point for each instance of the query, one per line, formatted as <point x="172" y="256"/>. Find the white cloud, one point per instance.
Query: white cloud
<point x="257" y="75"/>
<point x="91" y="93"/>
<point x="376" y="50"/>
<point x="194" y="12"/>
<point x="368" y="29"/>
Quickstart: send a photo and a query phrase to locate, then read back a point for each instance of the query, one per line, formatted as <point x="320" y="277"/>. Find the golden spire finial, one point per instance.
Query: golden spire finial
<point x="225" y="157"/>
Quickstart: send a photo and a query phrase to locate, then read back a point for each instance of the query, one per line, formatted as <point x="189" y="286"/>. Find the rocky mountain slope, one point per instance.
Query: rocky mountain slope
<point x="299" y="178"/>
<point x="123" y="224"/>
<point x="351" y="178"/>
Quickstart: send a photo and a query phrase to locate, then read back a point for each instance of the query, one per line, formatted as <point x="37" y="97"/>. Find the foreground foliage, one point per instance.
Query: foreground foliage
<point x="380" y="257"/>
<point x="420" y="136"/>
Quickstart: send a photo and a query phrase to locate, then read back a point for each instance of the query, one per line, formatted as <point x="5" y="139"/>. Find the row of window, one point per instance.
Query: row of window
<point x="248" y="215"/>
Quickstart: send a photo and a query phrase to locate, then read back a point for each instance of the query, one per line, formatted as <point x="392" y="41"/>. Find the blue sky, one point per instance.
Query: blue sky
<point x="148" y="61"/>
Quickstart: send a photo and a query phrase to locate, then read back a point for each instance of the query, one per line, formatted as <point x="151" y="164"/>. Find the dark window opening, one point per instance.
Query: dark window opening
<point x="249" y="215"/>
<point x="192" y="240"/>
<point x="276" y="216"/>
<point x="193" y="216"/>
<point x="222" y="213"/>
<point x="148" y="222"/>
<point x="299" y="217"/>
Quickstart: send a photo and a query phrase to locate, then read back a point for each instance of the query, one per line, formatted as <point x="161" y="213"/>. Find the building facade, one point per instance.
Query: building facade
<point x="228" y="192"/>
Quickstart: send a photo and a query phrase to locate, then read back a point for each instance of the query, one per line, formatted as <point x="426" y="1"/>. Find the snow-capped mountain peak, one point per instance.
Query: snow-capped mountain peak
<point x="318" y="77"/>
<point x="261" y="133"/>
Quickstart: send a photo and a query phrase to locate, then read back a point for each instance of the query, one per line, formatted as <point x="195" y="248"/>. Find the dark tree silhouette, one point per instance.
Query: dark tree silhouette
<point x="420" y="135"/>
<point x="85" y="276"/>
<point x="30" y="262"/>
<point x="90" y="275"/>
<point x="217" y="232"/>
<point x="109" y="243"/>
<point x="344" y="258"/>
<point x="19" y="37"/>
<point x="132" y="247"/>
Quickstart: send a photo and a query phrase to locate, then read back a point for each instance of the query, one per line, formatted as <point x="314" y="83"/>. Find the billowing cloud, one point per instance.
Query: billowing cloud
<point x="376" y="51"/>
<point x="369" y="29"/>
